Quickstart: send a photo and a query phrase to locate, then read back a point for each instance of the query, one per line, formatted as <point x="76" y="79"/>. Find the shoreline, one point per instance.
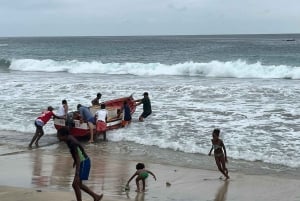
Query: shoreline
<point x="47" y="174"/>
<point x="185" y="186"/>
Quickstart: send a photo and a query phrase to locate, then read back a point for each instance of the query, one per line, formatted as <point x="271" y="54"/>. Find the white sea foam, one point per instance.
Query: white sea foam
<point x="234" y="69"/>
<point x="258" y="118"/>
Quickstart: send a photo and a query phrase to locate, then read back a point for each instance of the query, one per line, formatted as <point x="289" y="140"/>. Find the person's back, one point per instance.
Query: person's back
<point x="101" y="115"/>
<point x="146" y="104"/>
<point x="85" y="113"/>
<point x="46" y="116"/>
<point x="87" y="116"/>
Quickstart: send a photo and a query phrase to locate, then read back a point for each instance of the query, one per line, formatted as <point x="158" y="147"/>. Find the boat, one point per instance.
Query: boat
<point x="114" y="117"/>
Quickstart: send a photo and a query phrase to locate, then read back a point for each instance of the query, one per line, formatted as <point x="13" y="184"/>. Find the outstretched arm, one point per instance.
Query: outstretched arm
<point x="137" y="100"/>
<point x="135" y="174"/>
<point x="210" y="151"/>
<point x="57" y="117"/>
<point x="152" y="174"/>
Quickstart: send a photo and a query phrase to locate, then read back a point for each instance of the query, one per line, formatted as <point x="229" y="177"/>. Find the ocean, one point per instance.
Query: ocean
<point x="246" y="85"/>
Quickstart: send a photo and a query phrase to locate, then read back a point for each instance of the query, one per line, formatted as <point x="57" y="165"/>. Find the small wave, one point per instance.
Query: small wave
<point x="3" y="45"/>
<point x="232" y="69"/>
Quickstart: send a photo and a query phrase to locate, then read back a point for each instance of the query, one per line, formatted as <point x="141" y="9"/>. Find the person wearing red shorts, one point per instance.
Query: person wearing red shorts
<point x="101" y="120"/>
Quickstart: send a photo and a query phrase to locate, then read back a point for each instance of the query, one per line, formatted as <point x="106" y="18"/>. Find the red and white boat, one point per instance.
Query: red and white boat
<point x="114" y="117"/>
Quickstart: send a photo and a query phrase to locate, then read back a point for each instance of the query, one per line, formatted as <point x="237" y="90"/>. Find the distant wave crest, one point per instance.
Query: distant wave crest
<point x="233" y="69"/>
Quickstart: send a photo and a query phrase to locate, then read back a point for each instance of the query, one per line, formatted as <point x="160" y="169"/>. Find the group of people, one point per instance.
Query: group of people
<point x="82" y="165"/>
<point x="81" y="159"/>
<point x="85" y="115"/>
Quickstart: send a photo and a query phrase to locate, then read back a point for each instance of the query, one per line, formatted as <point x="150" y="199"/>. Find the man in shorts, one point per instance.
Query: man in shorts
<point x="82" y="165"/>
<point x="146" y="106"/>
<point x="87" y="116"/>
<point x="101" y="120"/>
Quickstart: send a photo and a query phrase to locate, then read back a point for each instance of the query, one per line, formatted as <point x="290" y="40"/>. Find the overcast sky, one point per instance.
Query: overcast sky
<point x="147" y="17"/>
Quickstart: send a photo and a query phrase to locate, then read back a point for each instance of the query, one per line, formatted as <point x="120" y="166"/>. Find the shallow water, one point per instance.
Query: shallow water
<point x="246" y="86"/>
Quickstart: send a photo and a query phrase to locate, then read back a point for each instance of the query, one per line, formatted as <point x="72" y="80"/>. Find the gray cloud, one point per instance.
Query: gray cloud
<point x="147" y="17"/>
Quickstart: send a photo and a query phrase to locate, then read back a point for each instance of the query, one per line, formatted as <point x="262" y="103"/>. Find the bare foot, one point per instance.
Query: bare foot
<point x="98" y="197"/>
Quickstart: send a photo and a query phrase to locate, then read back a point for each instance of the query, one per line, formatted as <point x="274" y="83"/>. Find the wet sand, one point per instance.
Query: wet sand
<point x="46" y="174"/>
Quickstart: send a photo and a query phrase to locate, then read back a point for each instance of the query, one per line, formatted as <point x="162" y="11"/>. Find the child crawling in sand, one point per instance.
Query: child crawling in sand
<point x="141" y="174"/>
<point x="220" y="156"/>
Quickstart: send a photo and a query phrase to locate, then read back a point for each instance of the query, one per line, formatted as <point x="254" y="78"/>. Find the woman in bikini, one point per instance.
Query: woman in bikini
<point x="220" y="156"/>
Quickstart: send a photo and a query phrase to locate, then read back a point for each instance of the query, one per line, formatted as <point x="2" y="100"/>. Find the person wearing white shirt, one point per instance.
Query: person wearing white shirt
<point x="63" y="109"/>
<point x="101" y="120"/>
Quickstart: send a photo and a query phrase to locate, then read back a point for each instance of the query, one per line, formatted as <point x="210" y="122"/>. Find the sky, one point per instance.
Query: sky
<point x="147" y="17"/>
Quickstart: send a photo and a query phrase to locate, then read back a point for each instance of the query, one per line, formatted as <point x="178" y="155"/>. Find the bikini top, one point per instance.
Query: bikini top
<point x="216" y="146"/>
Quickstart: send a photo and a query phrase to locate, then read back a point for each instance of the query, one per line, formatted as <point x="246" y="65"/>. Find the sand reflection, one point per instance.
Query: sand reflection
<point x="222" y="192"/>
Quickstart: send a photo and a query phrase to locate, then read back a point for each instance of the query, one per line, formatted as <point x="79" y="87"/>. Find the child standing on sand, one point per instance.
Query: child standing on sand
<point x="220" y="156"/>
<point x="141" y="175"/>
<point x="81" y="164"/>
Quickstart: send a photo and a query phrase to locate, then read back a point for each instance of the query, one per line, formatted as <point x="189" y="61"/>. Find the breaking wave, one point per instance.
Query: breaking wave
<point x="233" y="69"/>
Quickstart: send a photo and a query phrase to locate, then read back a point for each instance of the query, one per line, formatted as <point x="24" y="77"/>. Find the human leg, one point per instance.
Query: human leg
<point x="36" y="137"/>
<point x="91" y="126"/>
<point x="40" y="134"/>
<point x="223" y="164"/>
<point x="33" y="139"/>
<point x="144" y="184"/>
<point x="104" y="135"/>
<point x="220" y="167"/>
<point x="144" y="115"/>
<point x="78" y="185"/>
<point x="90" y="192"/>
<point x="141" y="118"/>
<point x="137" y="184"/>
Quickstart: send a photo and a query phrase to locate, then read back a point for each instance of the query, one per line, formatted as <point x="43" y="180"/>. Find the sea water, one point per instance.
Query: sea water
<point x="246" y="85"/>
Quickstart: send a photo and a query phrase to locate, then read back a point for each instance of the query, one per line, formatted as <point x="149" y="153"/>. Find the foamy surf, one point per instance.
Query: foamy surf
<point x="229" y="69"/>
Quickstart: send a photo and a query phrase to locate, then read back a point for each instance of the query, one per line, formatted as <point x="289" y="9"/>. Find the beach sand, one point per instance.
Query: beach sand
<point x="46" y="174"/>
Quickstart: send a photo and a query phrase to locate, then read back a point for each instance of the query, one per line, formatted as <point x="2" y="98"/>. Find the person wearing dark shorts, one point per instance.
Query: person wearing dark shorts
<point x="81" y="163"/>
<point x="146" y="106"/>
